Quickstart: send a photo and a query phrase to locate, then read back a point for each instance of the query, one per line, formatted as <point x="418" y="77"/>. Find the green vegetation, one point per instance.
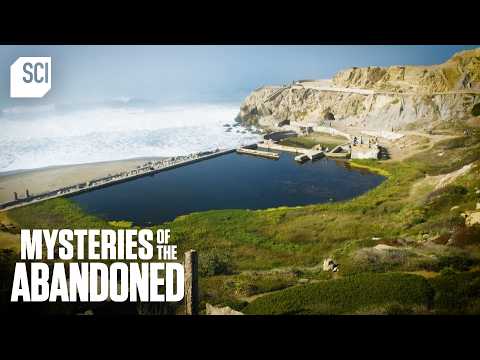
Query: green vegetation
<point x="236" y="289"/>
<point x="214" y="262"/>
<point x="54" y="214"/>
<point x="245" y="253"/>
<point x="457" y="293"/>
<point x="361" y="293"/>
<point x="476" y="110"/>
<point x="121" y="224"/>
<point x="311" y="140"/>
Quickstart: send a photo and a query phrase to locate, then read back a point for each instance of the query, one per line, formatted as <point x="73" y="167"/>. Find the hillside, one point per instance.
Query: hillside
<point x="411" y="245"/>
<point x="408" y="246"/>
<point x="393" y="98"/>
<point x="461" y="72"/>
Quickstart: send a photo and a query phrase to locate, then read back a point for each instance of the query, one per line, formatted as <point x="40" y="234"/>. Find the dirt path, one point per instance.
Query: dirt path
<point x="327" y="85"/>
<point x="256" y="296"/>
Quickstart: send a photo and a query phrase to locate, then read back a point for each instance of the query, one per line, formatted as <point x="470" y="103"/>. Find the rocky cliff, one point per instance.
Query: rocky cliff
<point x="376" y="98"/>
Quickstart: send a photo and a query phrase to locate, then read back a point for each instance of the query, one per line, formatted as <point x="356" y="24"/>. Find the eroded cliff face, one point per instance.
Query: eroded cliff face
<point x="461" y="72"/>
<point x="376" y="98"/>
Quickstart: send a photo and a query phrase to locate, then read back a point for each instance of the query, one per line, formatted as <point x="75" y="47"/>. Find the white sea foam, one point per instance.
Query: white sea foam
<point x="115" y="133"/>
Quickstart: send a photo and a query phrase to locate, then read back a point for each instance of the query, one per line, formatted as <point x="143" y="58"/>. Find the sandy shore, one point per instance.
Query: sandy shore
<point x="51" y="178"/>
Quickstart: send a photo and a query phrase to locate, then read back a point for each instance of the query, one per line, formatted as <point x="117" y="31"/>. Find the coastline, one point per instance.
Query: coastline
<point x="55" y="177"/>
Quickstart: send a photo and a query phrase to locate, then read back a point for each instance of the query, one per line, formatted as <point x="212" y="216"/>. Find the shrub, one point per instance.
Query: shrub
<point x="214" y="262"/>
<point x="476" y="110"/>
<point x="456" y="292"/>
<point x="463" y="235"/>
<point x="370" y="259"/>
<point x="252" y="285"/>
<point x="455" y="262"/>
<point x="347" y="295"/>
<point x="448" y="194"/>
<point x="398" y="309"/>
<point x="237" y="305"/>
<point x="448" y="271"/>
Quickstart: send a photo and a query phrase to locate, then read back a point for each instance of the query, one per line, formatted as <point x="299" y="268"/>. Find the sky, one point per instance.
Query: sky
<point x="118" y="102"/>
<point x="190" y="74"/>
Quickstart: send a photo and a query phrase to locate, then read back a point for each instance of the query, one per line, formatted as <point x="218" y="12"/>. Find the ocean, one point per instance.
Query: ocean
<point x="33" y="138"/>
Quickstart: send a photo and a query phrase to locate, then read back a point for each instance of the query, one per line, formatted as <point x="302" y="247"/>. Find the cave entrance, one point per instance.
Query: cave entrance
<point x="329" y="116"/>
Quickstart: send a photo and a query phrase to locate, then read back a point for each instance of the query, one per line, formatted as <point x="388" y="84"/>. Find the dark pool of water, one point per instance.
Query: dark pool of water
<point x="228" y="182"/>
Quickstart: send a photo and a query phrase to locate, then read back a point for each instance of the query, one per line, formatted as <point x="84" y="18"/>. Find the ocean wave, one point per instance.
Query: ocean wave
<point x="108" y="134"/>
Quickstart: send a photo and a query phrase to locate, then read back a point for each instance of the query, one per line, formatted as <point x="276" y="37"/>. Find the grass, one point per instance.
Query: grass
<point x="370" y="165"/>
<point x="234" y="290"/>
<point x="8" y="234"/>
<point x="247" y="243"/>
<point x="301" y="236"/>
<point x="311" y="140"/>
<point x="54" y="214"/>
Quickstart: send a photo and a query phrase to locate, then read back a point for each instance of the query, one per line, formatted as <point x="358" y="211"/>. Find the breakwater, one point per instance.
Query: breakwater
<point x="148" y="168"/>
<point x="232" y="181"/>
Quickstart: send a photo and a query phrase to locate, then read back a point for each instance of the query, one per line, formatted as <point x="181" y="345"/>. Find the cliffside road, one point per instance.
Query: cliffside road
<point x="377" y="98"/>
<point x="375" y="102"/>
<point x="326" y="85"/>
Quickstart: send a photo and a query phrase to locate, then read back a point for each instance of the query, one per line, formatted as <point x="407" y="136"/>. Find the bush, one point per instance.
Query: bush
<point x="370" y="259"/>
<point x="399" y="309"/>
<point x="464" y="236"/>
<point x="476" y="110"/>
<point x="448" y="271"/>
<point x="249" y="285"/>
<point x="237" y="305"/>
<point x="450" y="194"/>
<point x="455" y="262"/>
<point x="214" y="262"/>
<point x="348" y="295"/>
<point x="456" y="292"/>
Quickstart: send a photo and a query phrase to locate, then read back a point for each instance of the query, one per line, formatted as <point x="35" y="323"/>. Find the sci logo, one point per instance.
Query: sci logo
<point x="30" y="77"/>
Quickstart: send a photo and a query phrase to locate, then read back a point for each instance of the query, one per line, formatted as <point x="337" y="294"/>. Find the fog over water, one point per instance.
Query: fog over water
<point x="60" y="137"/>
<point x="120" y="102"/>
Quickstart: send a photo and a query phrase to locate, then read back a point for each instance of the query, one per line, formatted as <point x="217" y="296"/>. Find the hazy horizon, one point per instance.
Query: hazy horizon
<point x="117" y="102"/>
<point x="192" y="74"/>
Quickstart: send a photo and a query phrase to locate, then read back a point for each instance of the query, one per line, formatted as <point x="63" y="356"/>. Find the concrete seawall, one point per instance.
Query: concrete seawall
<point x="115" y="179"/>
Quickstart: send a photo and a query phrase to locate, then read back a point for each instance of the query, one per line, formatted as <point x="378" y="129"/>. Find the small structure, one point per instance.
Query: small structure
<point x="340" y="151"/>
<point x="265" y="154"/>
<point x="305" y="130"/>
<point x="301" y="158"/>
<point x="191" y="283"/>
<point x="283" y="123"/>
<point x="315" y="154"/>
<point x="365" y="152"/>
<point x="302" y="128"/>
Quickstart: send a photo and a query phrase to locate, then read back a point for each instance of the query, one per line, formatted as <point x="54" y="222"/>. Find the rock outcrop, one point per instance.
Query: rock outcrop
<point x="461" y="72"/>
<point x="374" y="98"/>
<point x="330" y="265"/>
<point x="226" y="310"/>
